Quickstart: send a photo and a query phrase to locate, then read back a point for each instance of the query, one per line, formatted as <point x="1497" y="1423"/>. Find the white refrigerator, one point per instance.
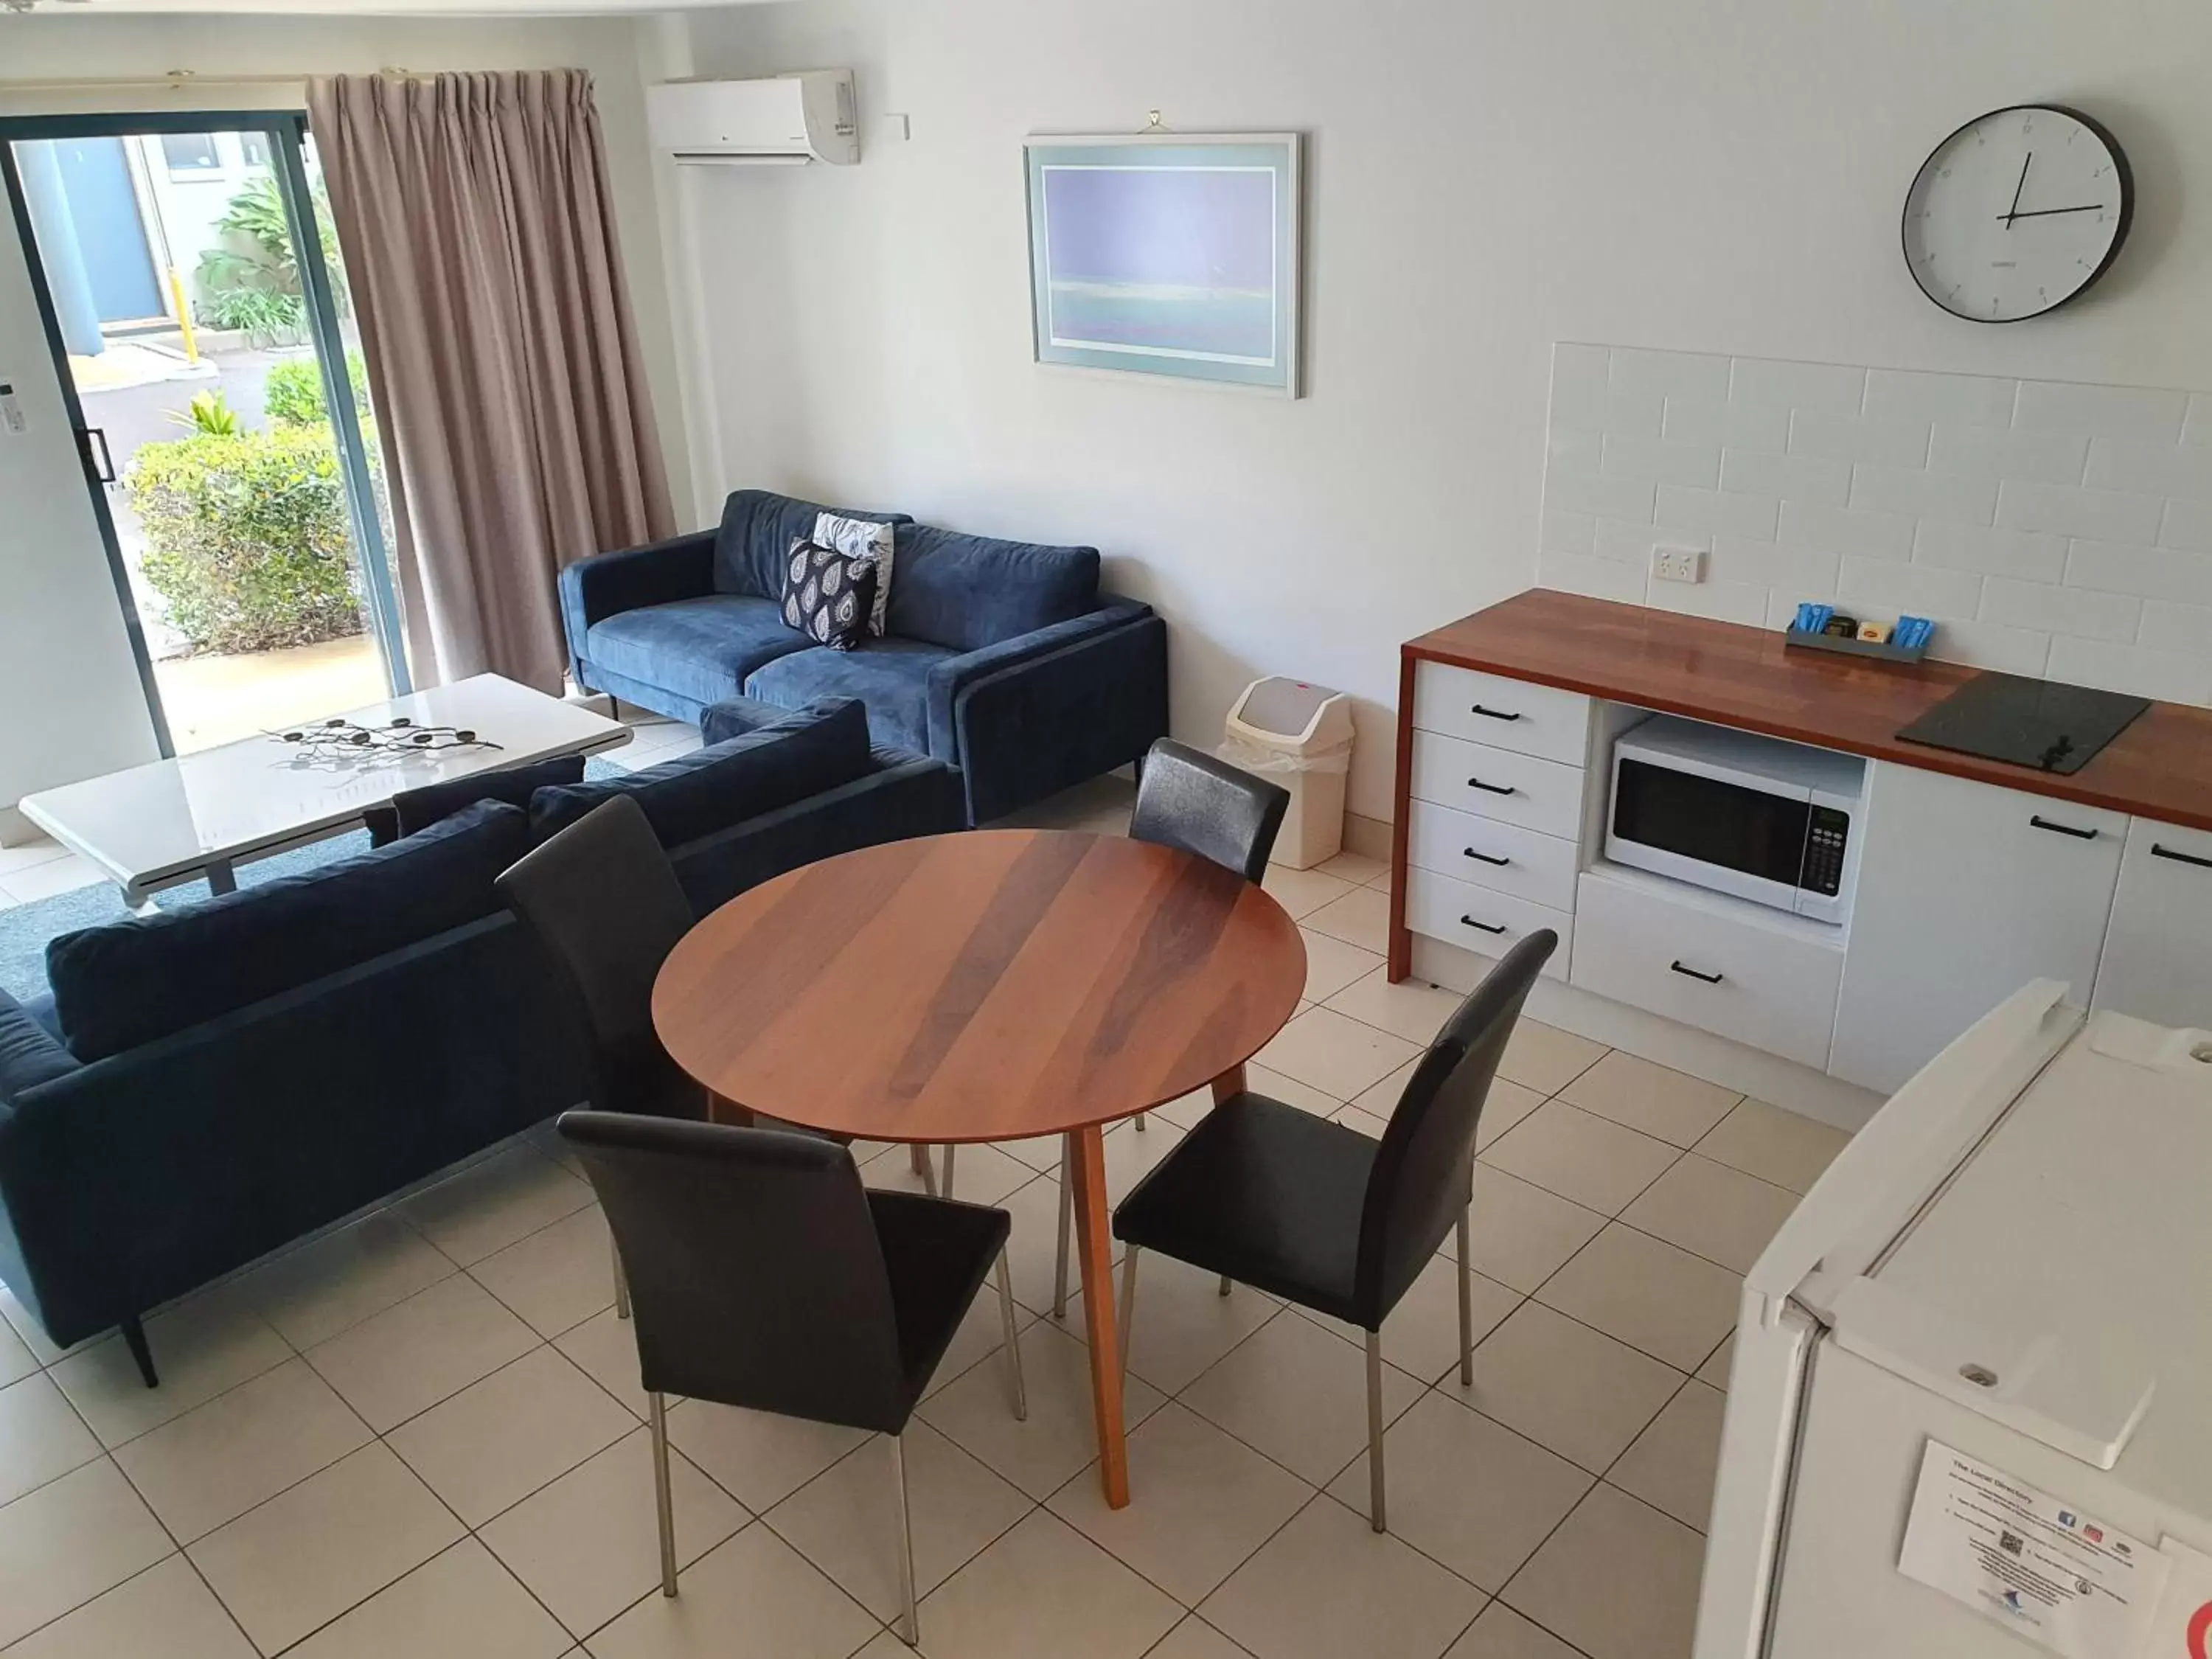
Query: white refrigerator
<point x="1989" y="1326"/>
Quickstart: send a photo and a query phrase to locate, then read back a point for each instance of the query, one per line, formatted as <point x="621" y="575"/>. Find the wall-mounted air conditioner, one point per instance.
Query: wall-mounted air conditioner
<point x="789" y="120"/>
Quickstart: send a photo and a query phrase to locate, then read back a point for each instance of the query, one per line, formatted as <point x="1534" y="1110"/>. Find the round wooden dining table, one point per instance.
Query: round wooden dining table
<point x="988" y="985"/>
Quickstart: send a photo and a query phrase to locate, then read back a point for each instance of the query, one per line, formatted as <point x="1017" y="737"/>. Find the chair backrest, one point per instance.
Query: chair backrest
<point x="1187" y="799"/>
<point x="756" y="1274"/>
<point x="1420" y="1179"/>
<point x="603" y="907"/>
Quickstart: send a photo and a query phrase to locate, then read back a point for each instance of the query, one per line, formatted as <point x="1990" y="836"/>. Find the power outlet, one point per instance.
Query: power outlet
<point x="1678" y="564"/>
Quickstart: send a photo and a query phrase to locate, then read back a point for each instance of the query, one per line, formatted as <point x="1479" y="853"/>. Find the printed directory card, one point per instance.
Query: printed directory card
<point x="2031" y="1562"/>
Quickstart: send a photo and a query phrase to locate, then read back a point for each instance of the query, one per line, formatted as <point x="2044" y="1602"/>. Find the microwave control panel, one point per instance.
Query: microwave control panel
<point x="1824" y="841"/>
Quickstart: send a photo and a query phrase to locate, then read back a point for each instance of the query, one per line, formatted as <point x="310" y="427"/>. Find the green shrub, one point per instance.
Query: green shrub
<point x="246" y="537"/>
<point x="264" y="316"/>
<point x="208" y="414"/>
<point x="293" y="393"/>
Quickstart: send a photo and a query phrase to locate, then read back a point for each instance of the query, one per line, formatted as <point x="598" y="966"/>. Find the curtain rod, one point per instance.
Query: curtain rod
<point x="183" y="80"/>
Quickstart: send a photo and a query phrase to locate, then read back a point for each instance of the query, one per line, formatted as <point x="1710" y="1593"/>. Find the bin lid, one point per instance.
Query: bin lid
<point x="1280" y="707"/>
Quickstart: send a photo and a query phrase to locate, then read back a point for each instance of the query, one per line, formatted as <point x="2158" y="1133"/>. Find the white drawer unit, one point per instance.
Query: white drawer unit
<point x="1506" y="713"/>
<point x="1498" y="783"/>
<point x="1966" y="893"/>
<point x="1479" y="920"/>
<point x="1767" y="984"/>
<point x="2158" y="952"/>
<point x="1504" y="857"/>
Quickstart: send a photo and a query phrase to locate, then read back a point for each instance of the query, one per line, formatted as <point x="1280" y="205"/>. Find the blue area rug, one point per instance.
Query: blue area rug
<point x="25" y="929"/>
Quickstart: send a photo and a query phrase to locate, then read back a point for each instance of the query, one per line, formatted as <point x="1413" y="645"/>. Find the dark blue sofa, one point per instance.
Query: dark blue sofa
<point x="1000" y="657"/>
<point x="206" y="1085"/>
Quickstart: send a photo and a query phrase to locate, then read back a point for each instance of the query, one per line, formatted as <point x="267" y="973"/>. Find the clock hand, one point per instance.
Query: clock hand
<point x="2044" y="213"/>
<point x="2013" y="212"/>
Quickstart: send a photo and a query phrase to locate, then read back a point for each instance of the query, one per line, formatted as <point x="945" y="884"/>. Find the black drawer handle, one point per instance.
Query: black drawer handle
<point x="1492" y="713"/>
<point x="2158" y="852"/>
<point x="1491" y="858"/>
<point x="1691" y="972"/>
<point x="1491" y="788"/>
<point x="2041" y="822"/>
<point x="1484" y="927"/>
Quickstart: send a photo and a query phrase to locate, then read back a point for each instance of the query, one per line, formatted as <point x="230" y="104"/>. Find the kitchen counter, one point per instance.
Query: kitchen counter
<point x="2161" y="767"/>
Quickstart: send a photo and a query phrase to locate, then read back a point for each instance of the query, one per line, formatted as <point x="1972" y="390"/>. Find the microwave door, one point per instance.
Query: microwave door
<point x="1710" y="830"/>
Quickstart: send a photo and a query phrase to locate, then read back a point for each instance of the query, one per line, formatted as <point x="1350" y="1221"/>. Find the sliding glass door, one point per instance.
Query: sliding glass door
<point x="197" y="312"/>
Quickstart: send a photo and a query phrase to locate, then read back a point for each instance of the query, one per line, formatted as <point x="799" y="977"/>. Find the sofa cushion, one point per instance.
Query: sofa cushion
<point x="128" y="983"/>
<point x="30" y="1055"/>
<point x="758" y="527"/>
<point x="418" y="809"/>
<point x="891" y="676"/>
<point x="967" y="591"/>
<point x="807" y="751"/>
<point x="828" y="595"/>
<point x="702" y="649"/>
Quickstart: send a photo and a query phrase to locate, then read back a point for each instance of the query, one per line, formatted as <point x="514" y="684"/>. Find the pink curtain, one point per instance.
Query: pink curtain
<point x="479" y="238"/>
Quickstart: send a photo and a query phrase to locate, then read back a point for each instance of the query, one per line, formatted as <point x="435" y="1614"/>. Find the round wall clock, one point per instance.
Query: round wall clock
<point x="2017" y="212"/>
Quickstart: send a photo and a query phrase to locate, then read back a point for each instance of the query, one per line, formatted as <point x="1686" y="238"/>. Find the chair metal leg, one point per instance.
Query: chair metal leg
<point x="945" y="1185"/>
<point x="1128" y="1310"/>
<point x="1140" y="1123"/>
<point x="909" y="1618"/>
<point x="657" y="1421"/>
<point x="1375" y="1432"/>
<point x="622" y="1284"/>
<point x="1067" y="1226"/>
<point x="134" y="1338"/>
<point x="1224" y="1284"/>
<point x="1465" y="1303"/>
<point x="1013" y="1346"/>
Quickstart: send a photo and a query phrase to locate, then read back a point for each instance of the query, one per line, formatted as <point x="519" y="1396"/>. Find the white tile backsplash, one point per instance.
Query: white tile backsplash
<point x="2048" y="527"/>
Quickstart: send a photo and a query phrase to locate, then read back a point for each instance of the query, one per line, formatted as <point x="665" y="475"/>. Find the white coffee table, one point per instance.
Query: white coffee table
<point x="200" y="816"/>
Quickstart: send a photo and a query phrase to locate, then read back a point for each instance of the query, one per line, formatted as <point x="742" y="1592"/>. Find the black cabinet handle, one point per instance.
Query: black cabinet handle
<point x="2041" y="822"/>
<point x="1491" y="788"/>
<point x="1691" y="972"/>
<point x="2158" y="852"/>
<point x="1492" y="713"/>
<point x="1485" y="927"/>
<point x="1491" y="858"/>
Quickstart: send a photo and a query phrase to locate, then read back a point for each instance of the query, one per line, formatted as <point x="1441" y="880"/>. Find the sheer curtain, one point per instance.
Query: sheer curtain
<point x="479" y="240"/>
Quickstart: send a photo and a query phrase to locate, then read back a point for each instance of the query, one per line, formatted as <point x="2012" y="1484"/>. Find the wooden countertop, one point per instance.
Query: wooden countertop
<point x="2160" y="767"/>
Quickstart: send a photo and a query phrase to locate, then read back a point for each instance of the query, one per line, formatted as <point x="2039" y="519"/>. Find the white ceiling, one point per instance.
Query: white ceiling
<point x="355" y="8"/>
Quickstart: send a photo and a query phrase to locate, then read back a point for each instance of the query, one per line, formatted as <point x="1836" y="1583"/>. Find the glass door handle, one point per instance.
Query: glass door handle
<point x="103" y="468"/>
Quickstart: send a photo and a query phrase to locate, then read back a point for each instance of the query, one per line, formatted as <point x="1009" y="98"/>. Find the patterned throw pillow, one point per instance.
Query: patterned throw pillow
<point x="863" y="538"/>
<point x="828" y="595"/>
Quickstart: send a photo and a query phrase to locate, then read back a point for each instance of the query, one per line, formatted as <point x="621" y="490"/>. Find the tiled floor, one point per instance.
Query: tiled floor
<point x="423" y="1434"/>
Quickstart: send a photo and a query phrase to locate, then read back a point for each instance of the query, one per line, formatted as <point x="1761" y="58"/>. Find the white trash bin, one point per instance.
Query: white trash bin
<point x="1299" y="736"/>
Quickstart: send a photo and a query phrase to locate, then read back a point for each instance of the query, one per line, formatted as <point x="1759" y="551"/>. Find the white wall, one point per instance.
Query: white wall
<point x="1486" y="178"/>
<point x="73" y="705"/>
<point x="55" y="592"/>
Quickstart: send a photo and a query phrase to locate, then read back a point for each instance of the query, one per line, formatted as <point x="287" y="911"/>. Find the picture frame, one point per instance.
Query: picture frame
<point x="1177" y="256"/>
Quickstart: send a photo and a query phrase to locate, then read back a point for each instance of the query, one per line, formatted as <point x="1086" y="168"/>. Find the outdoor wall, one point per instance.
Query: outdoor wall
<point x="56" y="583"/>
<point x="1486" y="177"/>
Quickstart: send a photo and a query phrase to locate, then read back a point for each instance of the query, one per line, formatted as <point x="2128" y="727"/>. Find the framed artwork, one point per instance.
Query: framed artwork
<point x="1168" y="254"/>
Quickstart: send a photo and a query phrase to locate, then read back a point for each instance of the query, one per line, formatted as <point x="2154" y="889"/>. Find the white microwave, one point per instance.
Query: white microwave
<point x="1765" y="820"/>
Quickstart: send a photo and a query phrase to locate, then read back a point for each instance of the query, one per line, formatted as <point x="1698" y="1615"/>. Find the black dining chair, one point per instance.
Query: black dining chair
<point x="1187" y="800"/>
<point x="602" y="905"/>
<point x="1304" y="1208"/>
<point x="763" y="1274"/>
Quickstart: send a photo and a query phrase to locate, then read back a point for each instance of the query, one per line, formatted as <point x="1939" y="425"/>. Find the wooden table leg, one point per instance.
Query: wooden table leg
<point x="1229" y="1084"/>
<point x="1094" y="1246"/>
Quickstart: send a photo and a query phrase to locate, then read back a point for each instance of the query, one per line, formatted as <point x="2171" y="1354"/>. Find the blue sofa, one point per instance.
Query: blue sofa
<point x="206" y="1085"/>
<point x="1000" y="657"/>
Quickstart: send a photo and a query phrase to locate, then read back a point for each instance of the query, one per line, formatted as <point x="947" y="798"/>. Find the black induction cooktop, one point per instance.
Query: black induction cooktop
<point x="2037" y="723"/>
